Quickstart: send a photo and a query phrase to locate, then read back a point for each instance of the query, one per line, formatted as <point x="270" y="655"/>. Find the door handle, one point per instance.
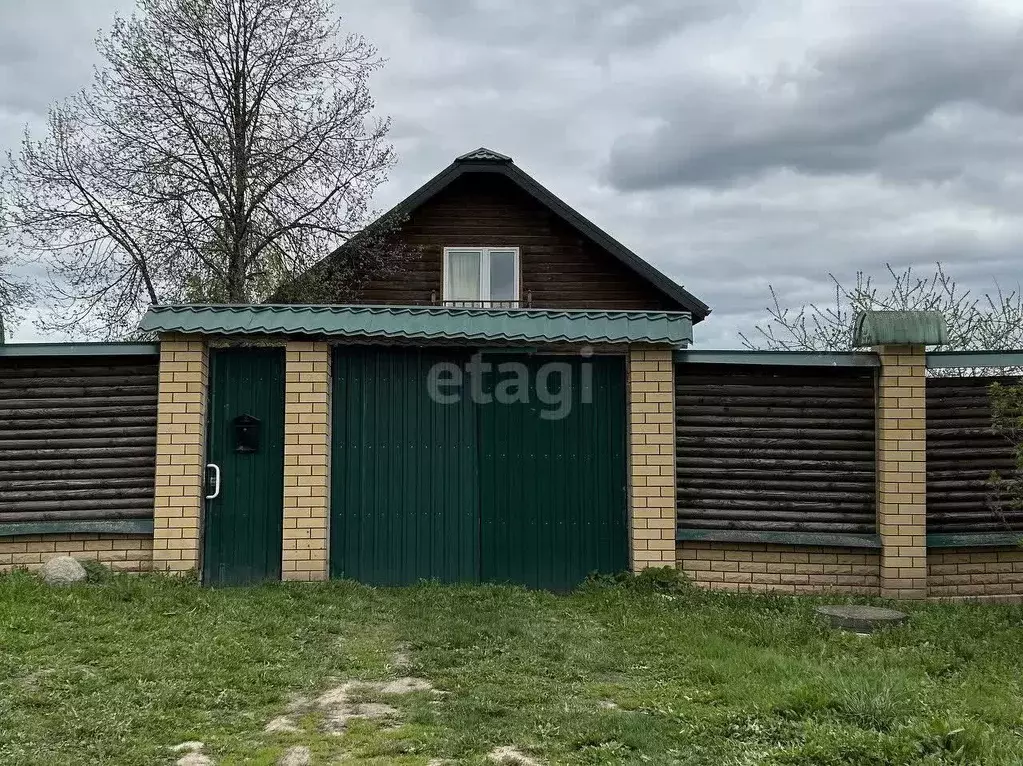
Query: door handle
<point x="216" y="481"/>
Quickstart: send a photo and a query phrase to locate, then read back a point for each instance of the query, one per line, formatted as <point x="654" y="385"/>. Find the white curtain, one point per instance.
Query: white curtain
<point x="463" y="275"/>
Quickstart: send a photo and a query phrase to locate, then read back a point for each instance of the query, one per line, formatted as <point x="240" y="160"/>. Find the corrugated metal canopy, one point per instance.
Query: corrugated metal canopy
<point x="897" y="328"/>
<point x="426" y="323"/>
<point x="79" y="349"/>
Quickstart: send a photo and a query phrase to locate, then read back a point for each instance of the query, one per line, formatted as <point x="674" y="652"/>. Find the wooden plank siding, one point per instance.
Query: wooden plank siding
<point x="775" y="449"/>
<point x="77" y="438"/>
<point x="560" y="267"/>
<point x="962" y="451"/>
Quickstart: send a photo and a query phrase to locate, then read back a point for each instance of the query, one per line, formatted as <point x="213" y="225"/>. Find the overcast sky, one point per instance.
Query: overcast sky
<point x="731" y="143"/>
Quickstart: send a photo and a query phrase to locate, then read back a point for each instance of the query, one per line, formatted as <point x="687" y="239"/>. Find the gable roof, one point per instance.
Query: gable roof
<point x="485" y="160"/>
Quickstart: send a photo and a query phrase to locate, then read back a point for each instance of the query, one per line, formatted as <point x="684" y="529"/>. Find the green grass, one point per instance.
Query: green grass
<point x="116" y="672"/>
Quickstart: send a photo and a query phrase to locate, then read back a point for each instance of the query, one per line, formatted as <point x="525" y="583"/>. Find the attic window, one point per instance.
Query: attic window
<point x="481" y="276"/>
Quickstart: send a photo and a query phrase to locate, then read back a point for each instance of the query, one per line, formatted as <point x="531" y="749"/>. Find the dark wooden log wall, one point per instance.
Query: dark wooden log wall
<point x="77" y="438"/>
<point x="560" y="267"/>
<point x="775" y="449"/>
<point x="962" y="451"/>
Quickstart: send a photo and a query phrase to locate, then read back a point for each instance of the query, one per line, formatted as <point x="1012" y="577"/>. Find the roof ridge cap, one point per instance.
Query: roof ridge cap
<point x="483" y="154"/>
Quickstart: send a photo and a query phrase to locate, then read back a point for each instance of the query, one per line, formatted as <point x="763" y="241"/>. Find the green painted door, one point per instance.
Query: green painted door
<point x="245" y="442"/>
<point x="553" y="470"/>
<point x="404" y="489"/>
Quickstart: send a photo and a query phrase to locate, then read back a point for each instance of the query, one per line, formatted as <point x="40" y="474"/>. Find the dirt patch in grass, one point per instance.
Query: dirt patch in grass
<point x="299" y="755"/>
<point x="406" y="685"/>
<point x="192" y="746"/>
<point x="282" y="724"/>
<point x="193" y="754"/>
<point x="355" y="700"/>
<point x="401" y="659"/>
<point x="194" y="759"/>
<point x="349" y="701"/>
<point x="510" y="756"/>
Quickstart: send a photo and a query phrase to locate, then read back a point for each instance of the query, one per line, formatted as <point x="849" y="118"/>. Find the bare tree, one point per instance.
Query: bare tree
<point x="991" y="321"/>
<point x="222" y="148"/>
<point x="15" y="293"/>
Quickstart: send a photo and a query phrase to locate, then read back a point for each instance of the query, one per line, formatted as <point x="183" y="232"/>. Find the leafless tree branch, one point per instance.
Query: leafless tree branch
<point x="991" y="321"/>
<point x="223" y="147"/>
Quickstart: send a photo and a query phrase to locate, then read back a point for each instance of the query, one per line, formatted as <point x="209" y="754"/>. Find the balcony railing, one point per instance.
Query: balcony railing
<point x="516" y="304"/>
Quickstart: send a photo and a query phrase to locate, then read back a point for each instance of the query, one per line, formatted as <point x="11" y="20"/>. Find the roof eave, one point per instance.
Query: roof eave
<point x="697" y="308"/>
<point x="418" y="323"/>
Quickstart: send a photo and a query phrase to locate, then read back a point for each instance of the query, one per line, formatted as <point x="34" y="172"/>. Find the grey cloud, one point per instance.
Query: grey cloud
<point x="603" y="25"/>
<point x="47" y="51"/>
<point x="16" y="49"/>
<point x="728" y="245"/>
<point x="847" y="109"/>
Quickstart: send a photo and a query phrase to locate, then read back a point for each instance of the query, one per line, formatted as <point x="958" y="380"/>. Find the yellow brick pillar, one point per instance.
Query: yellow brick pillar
<point x="180" y="451"/>
<point x="306" y="461"/>
<point x="902" y="471"/>
<point x="652" y="513"/>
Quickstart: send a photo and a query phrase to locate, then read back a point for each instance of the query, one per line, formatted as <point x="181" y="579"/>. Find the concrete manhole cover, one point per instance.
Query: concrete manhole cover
<point x="861" y="619"/>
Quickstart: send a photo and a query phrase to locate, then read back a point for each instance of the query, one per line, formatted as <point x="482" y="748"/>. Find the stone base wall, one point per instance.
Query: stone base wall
<point x="783" y="568"/>
<point x="975" y="572"/>
<point x="952" y="573"/>
<point x="126" y="553"/>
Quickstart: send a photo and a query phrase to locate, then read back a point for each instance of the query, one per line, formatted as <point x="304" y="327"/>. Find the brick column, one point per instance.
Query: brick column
<point x="180" y="451"/>
<point x="306" y="462"/>
<point x="901" y="472"/>
<point x="651" y="458"/>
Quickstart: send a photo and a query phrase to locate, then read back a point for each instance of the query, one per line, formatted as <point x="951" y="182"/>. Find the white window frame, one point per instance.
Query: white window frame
<point x="485" y="252"/>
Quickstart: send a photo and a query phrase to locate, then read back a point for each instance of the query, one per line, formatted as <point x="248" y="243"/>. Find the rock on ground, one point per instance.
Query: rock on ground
<point x="62" y="570"/>
<point x="296" y="756"/>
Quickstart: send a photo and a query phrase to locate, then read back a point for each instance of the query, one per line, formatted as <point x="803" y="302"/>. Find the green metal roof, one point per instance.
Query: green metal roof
<point x="780" y="358"/>
<point x="426" y="323"/>
<point x="937" y="360"/>
<point x="79" y="349"/>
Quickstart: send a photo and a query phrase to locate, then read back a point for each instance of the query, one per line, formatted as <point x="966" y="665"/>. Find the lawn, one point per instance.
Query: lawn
<point x="117" y="672"/>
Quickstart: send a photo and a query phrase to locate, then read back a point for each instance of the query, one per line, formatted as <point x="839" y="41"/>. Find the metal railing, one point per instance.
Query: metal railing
<point x="475" y="304"/>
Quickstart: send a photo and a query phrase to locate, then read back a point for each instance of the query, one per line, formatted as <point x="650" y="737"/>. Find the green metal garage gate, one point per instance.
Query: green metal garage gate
<point x="490" y="480"/>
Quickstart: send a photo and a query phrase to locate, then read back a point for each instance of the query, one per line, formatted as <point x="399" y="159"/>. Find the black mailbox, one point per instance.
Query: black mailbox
<point x="246" y="434"/>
